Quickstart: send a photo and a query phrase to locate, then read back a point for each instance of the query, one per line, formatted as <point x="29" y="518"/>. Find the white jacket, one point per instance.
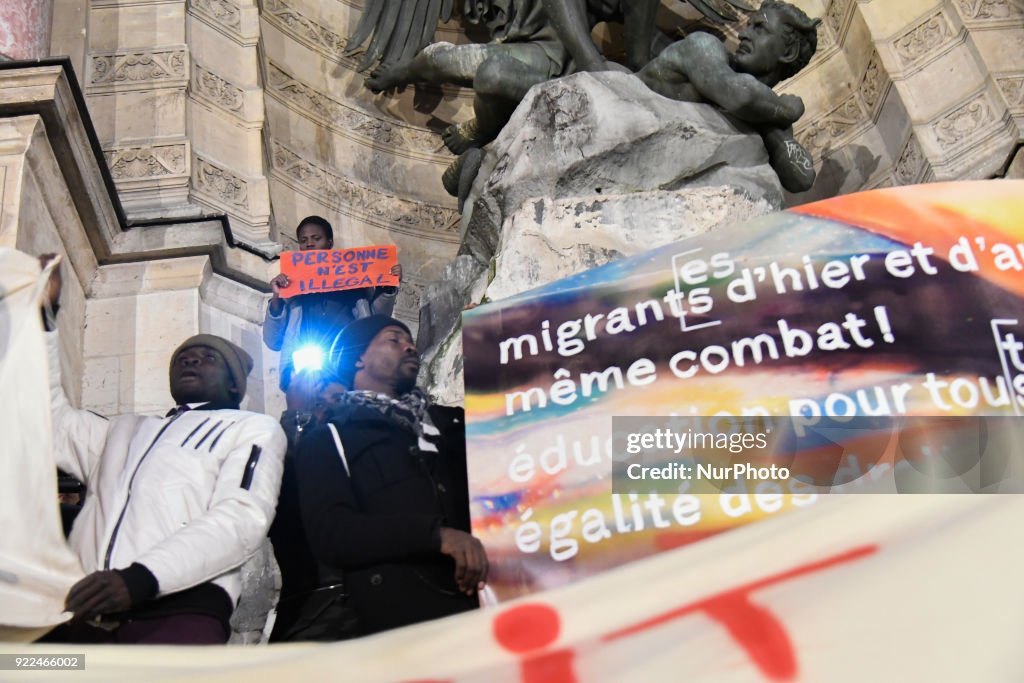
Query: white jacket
<point x="172" y="494"/>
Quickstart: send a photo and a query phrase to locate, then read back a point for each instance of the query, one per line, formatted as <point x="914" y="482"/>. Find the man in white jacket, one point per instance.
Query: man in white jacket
<point x="174" y="505"/>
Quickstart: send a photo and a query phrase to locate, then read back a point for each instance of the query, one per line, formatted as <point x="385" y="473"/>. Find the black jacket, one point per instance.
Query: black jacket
<point x="298" y="567"/>
<point x="381" y="525"/>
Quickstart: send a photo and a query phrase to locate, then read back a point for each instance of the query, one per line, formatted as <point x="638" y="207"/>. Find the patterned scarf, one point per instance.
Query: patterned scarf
<point x="409" y="412"/>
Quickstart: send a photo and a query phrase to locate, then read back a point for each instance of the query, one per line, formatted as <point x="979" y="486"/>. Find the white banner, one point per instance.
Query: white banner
<point x="857" y="588"/>
<point x="37" y="568"/>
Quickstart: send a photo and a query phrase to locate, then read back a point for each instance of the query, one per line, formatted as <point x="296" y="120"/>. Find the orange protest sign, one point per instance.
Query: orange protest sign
<point x="330" y="270"/>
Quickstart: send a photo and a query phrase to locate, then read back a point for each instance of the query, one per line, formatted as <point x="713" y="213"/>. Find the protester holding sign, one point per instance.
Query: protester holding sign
<point x="295" y="319"/>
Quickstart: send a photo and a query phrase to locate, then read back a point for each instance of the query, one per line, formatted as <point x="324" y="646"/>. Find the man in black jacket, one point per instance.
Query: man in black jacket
<point x="392" y="511"/>
<point x="311" y="396"/>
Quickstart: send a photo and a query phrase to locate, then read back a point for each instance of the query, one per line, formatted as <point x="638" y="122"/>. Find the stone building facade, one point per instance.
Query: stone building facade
<point x="179" y="143"/>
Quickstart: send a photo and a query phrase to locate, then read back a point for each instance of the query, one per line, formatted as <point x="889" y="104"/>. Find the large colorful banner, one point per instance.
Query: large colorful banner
<point x="892" y="303"/>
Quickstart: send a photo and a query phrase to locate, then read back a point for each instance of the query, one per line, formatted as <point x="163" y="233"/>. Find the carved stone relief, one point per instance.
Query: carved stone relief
<point x="223" y="187"/>
<point x="140" y="69"/>
<point x="826" y="40"/>
<point x="911" y="164"/>
<point x="150" y="161"/>
<point x="383" y="210"/>
<point x="222" y="12"/>
<point x="209" y="86"/>
<point x="959" y="125"/>
<point x="837" y="16"/>
<point x="307" y="31"/>
<point x="236" y="19"/>
<point x="989" y="10"/>
<point x="1012" y="88"/>
<point x="874" y="83"/>
<point x="923" y="39"/>
<point x="826" y="132"/>
<point x="353" y="123"/>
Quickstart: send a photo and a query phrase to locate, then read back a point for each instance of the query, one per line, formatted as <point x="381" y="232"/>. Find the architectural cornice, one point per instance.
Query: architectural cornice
<point x="397" y="138"/>
<point x="376" y="208"/>
<point x="137" y="70"/>
<point x="48" y="88"/>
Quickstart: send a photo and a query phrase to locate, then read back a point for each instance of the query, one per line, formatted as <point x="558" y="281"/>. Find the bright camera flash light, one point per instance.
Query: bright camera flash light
<point x="309" y="357"/>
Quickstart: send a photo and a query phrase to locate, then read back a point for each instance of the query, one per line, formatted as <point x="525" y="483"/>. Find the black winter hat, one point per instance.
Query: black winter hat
<point x="239" y="362"/>
<point x="352" y="341"/>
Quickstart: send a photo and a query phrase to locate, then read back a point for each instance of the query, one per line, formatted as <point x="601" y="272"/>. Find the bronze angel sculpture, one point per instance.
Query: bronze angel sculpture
<point x="533" y="41"/>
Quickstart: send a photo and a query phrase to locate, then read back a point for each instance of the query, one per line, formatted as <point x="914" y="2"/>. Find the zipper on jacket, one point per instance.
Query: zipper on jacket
<point x="124" y="509"/>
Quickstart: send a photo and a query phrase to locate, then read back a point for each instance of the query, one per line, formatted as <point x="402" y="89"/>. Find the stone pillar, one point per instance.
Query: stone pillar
<point x="25" y="28"/>
<point x="935" y="53"/>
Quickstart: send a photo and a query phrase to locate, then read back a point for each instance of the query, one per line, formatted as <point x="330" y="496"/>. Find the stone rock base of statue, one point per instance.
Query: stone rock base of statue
<point x="591" y="168"/>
